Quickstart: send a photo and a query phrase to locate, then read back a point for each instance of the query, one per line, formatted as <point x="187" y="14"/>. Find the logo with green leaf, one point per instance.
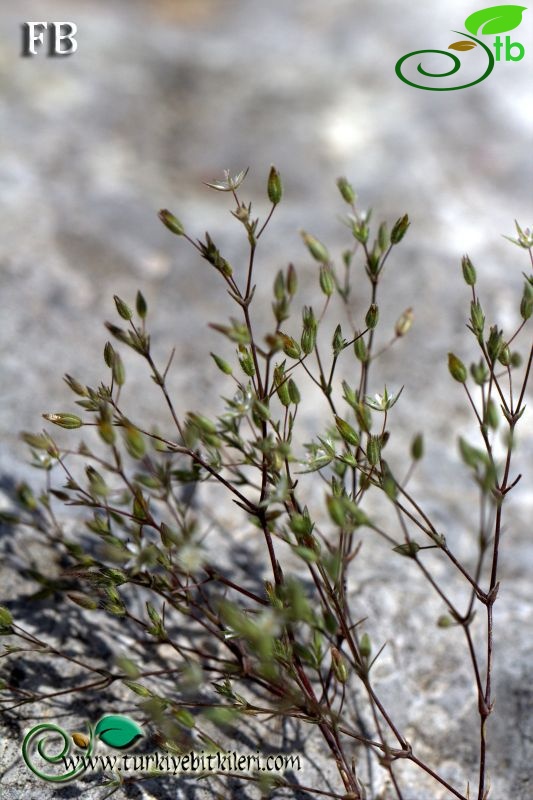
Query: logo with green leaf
<point x="485" y="22"/>
<point x="53" y="744"/>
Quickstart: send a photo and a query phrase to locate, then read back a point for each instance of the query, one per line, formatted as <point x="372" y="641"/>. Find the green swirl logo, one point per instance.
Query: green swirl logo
<point x="53" y="744"/>
<point x="47" y="748"/>
<point x="493" y="20"/>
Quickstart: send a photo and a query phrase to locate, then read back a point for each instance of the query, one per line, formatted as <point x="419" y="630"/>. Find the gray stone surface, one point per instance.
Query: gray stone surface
<point x="163" y="95"/>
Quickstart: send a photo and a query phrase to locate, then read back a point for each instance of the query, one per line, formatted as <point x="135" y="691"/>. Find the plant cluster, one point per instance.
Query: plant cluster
<point x="286" y="644"/>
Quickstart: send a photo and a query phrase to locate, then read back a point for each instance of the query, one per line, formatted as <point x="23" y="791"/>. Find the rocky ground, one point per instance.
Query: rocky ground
<point x="162" y="96"/>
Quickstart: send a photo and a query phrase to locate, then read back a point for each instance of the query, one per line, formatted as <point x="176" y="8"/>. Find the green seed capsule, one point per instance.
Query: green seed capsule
<point x="404" y="322"/>
<point x="491" y="415"/>
<point x="290" y="346"/>
<point x="365" y="646"/>
<point x="360" y="349"/>
<point x="372" y="316"/>
<point x="171" y="222"/>
<point x="124" y="310"/>
<point x="399" y="229"/>
<point x="292" y="280"/>
<point x="68" y="421"/>
<point x="338" y="664"/>
<point x="469" y="272"/>
<point x="347" y="191"/>
<point x="477" y="318"/>
<point x="417" y="447"/>
<point x="221" y="364"/>
<point x="294" y="392"/>
<point x="504" y="356"/>
<point x="327" y="280"/>
<point x="119" y="372"/>
<point x="316" y="248"/>
<point x="275" y="189"/>
<point x="373" y="450"/>
<point x="348" y="433"/>
<point x="457" y="368"/>
<point x="494" y="343"/>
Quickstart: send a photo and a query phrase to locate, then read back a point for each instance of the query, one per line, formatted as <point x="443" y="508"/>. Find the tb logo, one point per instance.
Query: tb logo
<point x="61" y="38"/>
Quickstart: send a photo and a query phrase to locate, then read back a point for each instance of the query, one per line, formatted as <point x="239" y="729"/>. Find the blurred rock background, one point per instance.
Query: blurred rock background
<point x="166" y="94"/>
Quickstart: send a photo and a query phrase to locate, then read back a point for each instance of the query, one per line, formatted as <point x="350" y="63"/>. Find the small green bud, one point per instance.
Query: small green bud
<point x="383" y="237"/>
<point x="365" y="646"/>
<point x="294" y="392"/>
<point x="141" y="305"/>
<point x="417" y="447"/>
<point x="346" y="431"/>
<point x="246" y="361"/>
<point x="261" y="410"/>
<point x="373" y="450"/>
<point x="372" y="316"/>
<point x="409" y="550"/>
<point x="338" y="342"/>
<point x="444" y="621"/>
<point x="212" y="254"/>
<point x="469" y="272"/>
<point x="399" y="229"/>
<point x="338" y="664"/>
<point x="526" y="305"/>
<point x="477" y="318"/>
<point x="347" y="191"/>
<point x="122" y="336"/>
<point x="119" y="373"/>
<point x="479" y="373"/>
<point x="359" y="348"/>
<point x="504" y="356"/>
<point x="364" y="417"/>
<point x="75" y="385"/>
<point x="171" y="222"/>
<point x="275" y="189"/>
<point x="106" y="431"/>
<point x="327" y="280"/>
<point x="134" y="441"/>
<point x="282" y="387"/>
<point x="292" y="280"/>
<point x="202" y="423"/>
<point x="6" y="620"/>
<point x="336" y="510"/>
<point x="491" y="414"/>
<point x="137" y="688"/>
<point x="404" y="322"/>
<point x="283" y="393"/>
<point x="36" y="440"/>
<point x="97" y="482"/>
<point x="308" y="338"/>
<point x="83" y="600"/>
<point x="279" y="286"/>
<point x="270" y="590"/>
<point x="494" y="343"/>
<point x="316" y="248"/>
<point x="124" y="310"/>
<point x="457" y="368"/>
<point x="290" y="346"/>
<point x="373" y="262"/>
<point x="26" y="497"/>
<point x="516" y="360"/>
<point x="109" y="354"/>
<point x="360" y="231"/>
<point x="68" y="421"/>
<point x="221" y="364"/>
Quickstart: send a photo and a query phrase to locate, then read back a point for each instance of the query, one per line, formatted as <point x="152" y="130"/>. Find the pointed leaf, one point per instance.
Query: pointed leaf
<point x="496" y="19"/>
<point x="118" y="731"/>
<point x="464" y="44"/>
